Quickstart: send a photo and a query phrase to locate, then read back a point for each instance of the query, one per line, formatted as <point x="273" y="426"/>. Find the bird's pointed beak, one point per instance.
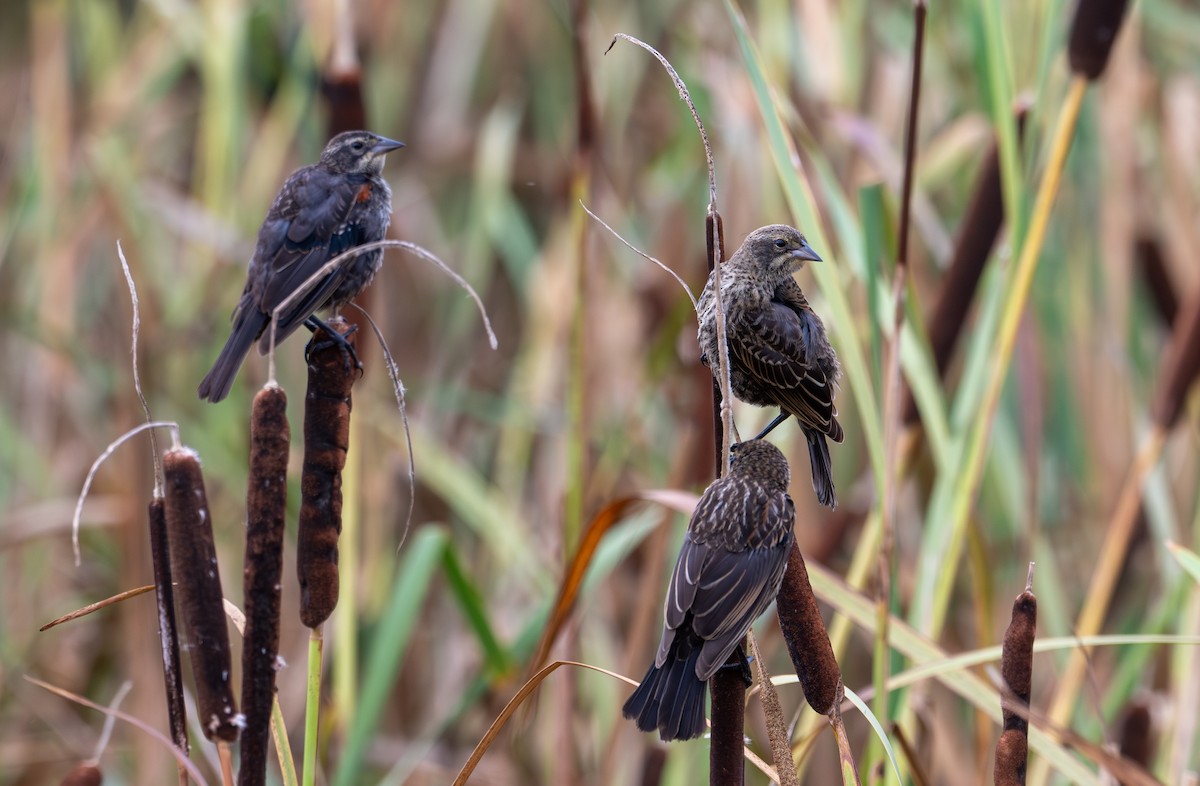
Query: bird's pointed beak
<point x="385" y="145"/>
<point x="806" y="252"/>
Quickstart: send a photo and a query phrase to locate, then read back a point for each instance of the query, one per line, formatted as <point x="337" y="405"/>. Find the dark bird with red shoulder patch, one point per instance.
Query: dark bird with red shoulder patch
<point x="728" y="571"/>
<point x="322" y="210"/>
<point x="779" y="355"/>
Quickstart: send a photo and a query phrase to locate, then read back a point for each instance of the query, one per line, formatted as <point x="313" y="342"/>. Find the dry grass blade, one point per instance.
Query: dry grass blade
<point x="100" y="604"/>
<point x="130" y="719"/>
<point x="601" y="523"/>
<point x="398" y="390"/>
<point x="341" y="259"/>
<point x="91" y="475"/>
<point x="714" y="241"/>
<point x="133" y="356"/>
<point x="642" y="254"/>
<point x="777" y="731"/>
<point x="848" y="768"/>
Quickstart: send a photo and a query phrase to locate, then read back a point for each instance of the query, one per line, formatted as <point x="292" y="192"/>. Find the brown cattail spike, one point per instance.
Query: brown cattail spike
<point x="1016" y="660"/>
<point x="807" y="642"/>
<point x="266" y="509"/>
<point x="198" y="582"/>
<point x="164" y="594"/>
<point x="1094" y="28"/>
<point x="1016" y="666"/>
<point x="331" y="374"/>
<point x="1012" y="759"/>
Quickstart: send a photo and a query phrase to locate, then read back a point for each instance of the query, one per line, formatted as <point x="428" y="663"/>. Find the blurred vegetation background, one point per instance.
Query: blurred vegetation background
<point x="169" y="126"/>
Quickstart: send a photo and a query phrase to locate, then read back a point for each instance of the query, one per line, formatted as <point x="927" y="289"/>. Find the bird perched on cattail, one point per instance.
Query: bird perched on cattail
<point x="322" y="210"/>
<point x="728" y="572"/>
<point x="779" y="355"/>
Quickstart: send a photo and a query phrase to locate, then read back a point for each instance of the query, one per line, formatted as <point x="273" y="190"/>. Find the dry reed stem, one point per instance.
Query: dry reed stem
<point x="398" y="392"/>
<point x="341" y="259"/>
<point x="133" y="720"/>
<point x="528" y="689"/>
<point x="198" y="582"/>
<point x="777" y="730"/>
<point x="100" y="604"/>
<point x="327" y="405"/>
<point x="266" y="509"/>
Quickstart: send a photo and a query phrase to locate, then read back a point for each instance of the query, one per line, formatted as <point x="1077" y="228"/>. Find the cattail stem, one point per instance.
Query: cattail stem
<point x="312" y="704"/>
<point x="725" y="761"/>
<point x="266" y="509"/>
<point x="168" y="635"/>
<point x="195" y="571"/>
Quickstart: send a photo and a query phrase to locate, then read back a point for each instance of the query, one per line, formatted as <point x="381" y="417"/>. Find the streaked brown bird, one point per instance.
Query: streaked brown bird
<point x="728" y="572"/>
<point x="779" y="355"/>
<point x="322" y="210"/>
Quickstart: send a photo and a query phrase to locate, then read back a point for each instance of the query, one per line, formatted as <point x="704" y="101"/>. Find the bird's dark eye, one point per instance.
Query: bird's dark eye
<point x="358" y="146"/>
<point x="780" y="243"/>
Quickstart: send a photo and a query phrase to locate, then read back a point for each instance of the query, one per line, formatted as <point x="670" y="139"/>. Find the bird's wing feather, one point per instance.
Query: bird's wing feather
<point x="774" y="346"/>
<point x="729" y="568"/>
<point x="735" y="590"/>
<point x="305" y="229"/>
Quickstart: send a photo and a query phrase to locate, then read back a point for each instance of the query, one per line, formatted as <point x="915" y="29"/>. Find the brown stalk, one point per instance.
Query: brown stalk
<point x="1016" y="666"/>
<point x="726" y="765"/>
<point x="194" y="566"/>
<point x="331" y="375"/>
<point x="266" y="508"/>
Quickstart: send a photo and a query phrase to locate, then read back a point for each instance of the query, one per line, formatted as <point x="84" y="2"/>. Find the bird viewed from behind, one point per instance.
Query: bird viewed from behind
<point x="728" y="572"/>
<point x="322" y="210"/>
<point x="779" y="355"/>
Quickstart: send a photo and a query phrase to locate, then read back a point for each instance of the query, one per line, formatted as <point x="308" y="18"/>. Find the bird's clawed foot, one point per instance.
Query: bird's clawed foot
<point x="336" y="339"/>
<point x="737" y="661"/>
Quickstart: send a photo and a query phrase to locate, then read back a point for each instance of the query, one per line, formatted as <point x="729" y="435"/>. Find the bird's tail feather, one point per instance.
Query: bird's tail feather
<point x="219" y="380"/>
<point x="822" y="467"/>
<point x="670" y="699"/>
